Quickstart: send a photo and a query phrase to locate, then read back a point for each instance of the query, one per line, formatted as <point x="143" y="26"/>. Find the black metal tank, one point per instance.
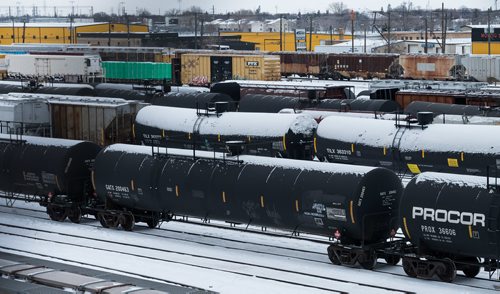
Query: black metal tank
<point x="358" y="105"/>
<point x="270" y="103"/>
<point x="193" y="100"/>
<point x="264" y="134"/>
<point x="6" y="89"/>
<point x="46" y="166"/>
<point x="359" y="202"/>
<point x="118" y="93"/>
<point x="443" y="108"/>
<point x="75" y="91"/>
<point x="451" y="214"/>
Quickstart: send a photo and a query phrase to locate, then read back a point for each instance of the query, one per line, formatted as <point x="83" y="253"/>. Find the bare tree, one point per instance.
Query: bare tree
<point x="337" y="7"/>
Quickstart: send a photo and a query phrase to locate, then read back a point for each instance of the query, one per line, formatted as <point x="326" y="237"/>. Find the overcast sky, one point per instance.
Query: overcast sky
<point x="224" y="6"/>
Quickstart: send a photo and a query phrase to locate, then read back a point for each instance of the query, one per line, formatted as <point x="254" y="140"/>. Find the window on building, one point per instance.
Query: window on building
<point x="411" y="38"/>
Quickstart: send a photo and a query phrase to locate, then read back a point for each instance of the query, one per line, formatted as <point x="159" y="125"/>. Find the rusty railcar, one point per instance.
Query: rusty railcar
<point x="365" y="66"/>
<point x="432" y="67"/>
<point x="303" y="64"/>
<point x="479" y="98"/>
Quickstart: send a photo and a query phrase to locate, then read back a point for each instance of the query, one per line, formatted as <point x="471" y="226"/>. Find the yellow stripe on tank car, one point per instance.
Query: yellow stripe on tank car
<point x="297" y="205"/>
<point x="261" y="201"/>
<point x="315" y="146"/>
<point x="470" y="232"/>
<point x="352" y="148"/>
<point x="284" y="143"/>
<point x="406" y="228"/>
<point x="423" y="153"/>
<point x="385" y="151"/>
<point x="413" y="168"/>
<point x="223" y="197"/>
<point x="163" y="133"/>
<point x="189" y="136"/>
<point x="132" y="186"/>
<point x="351" y="210"/>
<point x="177" y="191"/>
<point x="461" y="156"/>
<point x="218" y="138"/>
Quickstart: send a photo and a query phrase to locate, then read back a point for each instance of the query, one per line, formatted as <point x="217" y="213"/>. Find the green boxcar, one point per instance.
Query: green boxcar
<point x="118" y="70"/>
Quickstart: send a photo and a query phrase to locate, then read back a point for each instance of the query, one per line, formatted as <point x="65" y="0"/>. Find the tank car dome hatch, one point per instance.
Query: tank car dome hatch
<point x="452" y="214"/>
<point x="193" y="100"/>
<point x="425" y="117"/>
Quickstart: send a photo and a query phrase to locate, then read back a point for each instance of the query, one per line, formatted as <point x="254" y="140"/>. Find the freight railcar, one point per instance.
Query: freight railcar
<point x="54" y="172"/>
<point x="194" y="100"/>
<point x="413" y="108"/>
<point x="462" y="149"/>
<point x="339" y="66"/>
<point x="126" y="71"/>
<point x="432" y="67"/>
<point x="454" y="221"/>
<point x="264" y="134"/>
<point x="478" y="98"/>
<point x="357" y="205"/>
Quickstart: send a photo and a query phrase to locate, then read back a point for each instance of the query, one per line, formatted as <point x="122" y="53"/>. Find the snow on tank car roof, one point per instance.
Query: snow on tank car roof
<point x="435" y="137"/>
<point x="42" y="141"/>
<point x="452" y="179"/>
<point x="228" y="123"/>
<point x="70" y="99"/>
<point x="62" y="85"/>
<point x="325" y="167"/>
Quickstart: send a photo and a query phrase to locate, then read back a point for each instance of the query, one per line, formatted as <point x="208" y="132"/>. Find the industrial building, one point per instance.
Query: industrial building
<point x="61" y="33"/>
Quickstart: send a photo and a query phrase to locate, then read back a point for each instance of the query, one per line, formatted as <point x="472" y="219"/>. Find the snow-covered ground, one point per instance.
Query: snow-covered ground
<point x="208" y="257"/>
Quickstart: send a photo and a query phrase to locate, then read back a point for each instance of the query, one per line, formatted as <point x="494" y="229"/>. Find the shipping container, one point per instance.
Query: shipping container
<point x="432" y="67"/>
<point x="205" y="69"/>
<point x="132" y="71"/>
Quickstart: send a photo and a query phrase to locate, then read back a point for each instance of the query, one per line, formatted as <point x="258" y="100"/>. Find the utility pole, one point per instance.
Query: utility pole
<point x="109" y="33"/>
<point x="442" y="28"/>
<point x="389" y="28"/>
<point x="489" y="32"/>
<point x="310" y="32"/>
<point x="426" y="39"/>
<point x="364" y="45"/>
<point x="196" y="31"/>
<point x="128" y="30"/>
<point x="331" y="35"/>
<point x="281" y="32"/>
<point x="352" y="30"/>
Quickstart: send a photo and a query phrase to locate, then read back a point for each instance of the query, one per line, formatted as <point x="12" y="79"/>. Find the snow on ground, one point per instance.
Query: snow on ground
<point x="226" y="265"/>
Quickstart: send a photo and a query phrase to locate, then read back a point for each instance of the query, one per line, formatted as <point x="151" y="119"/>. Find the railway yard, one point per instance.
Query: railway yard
<point x="207" y="169"/>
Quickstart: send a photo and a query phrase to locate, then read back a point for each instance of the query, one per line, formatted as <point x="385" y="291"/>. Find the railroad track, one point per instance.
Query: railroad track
<point x="317" y="256"/>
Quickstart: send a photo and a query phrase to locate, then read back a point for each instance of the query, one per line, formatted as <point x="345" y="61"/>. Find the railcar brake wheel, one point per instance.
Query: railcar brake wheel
<point x="448" y="271"/>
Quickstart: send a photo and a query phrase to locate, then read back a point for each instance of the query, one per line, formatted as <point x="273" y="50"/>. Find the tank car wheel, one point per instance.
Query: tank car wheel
<point x="448" y="272"/>
<point x="127" y="221"/>
<point x="56" y="213"/>
<point x="471" y="271"/>
<point x="75" y="215"/>
<point x="332" y="256"/>
<point x="392" y="259"/>
<point x="407" y="267"/>
<point x="102" y="220"/>
<point x="368" y="260"/>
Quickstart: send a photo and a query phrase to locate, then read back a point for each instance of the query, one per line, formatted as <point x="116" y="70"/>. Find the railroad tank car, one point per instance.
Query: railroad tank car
<point x="270" y="103"/>
<point x="462" y="149"/>
<point x="56" y="170"/>
<point x="119" y="93"/>
<point x="454" y="220"/>
<point x="357" y="205"/>
<point x="265" y="134"/>
<point x="442" y="108"/>
<point x="193" y="100"/>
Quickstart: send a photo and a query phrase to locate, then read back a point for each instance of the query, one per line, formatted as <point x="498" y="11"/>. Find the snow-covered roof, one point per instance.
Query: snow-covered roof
<point x="65" y="99"/>
<point x="42" y="141"/>
<point x="49" y="24"/>
<point x="452" y="179"/>
<point x="228" y="123"/>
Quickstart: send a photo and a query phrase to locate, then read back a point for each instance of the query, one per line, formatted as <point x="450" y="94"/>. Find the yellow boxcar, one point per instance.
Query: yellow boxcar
<point x="205" y="69"/>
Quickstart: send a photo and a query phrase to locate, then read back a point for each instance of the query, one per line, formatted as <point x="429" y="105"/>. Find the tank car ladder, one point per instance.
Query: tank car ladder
<point x="396" y="154"/>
